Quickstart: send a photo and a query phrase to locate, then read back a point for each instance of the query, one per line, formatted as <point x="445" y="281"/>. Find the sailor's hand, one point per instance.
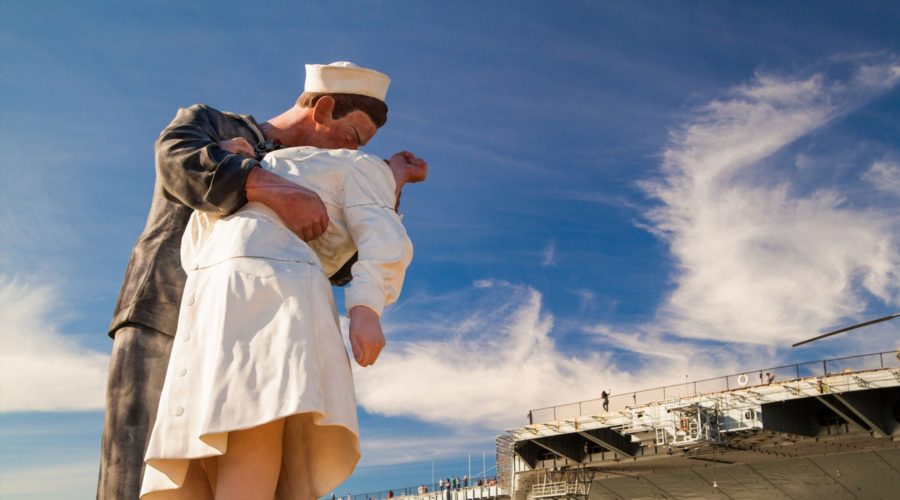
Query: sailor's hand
<point x="301" y="209"/>
<point x="238" y="145"/>
<point x="410" y="168"/>
<point x="366" y="337"/>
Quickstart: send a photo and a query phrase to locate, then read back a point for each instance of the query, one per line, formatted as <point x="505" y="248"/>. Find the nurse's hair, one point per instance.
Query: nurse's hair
<point x="347" y="103"/>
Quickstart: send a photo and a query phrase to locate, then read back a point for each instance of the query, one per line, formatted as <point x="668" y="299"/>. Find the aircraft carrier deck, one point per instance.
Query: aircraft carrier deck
<point x="824" y="429"/>
<point x="827" y="429"/>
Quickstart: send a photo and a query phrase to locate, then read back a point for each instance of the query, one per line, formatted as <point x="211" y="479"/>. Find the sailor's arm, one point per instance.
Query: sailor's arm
<point x="194" y="169"/>
<point x="211" y="173"/>
<point x="301" y="209"/>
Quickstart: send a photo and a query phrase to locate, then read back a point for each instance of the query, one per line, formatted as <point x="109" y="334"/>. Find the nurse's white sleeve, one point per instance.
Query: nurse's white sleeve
<point x="385" y="250"/>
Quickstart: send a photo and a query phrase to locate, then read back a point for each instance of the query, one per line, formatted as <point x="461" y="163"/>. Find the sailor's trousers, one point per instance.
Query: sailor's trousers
<point x="137" y="371"/>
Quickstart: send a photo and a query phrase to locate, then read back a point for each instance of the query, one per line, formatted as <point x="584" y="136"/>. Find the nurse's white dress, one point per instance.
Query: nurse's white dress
<point x="258" y="335"/>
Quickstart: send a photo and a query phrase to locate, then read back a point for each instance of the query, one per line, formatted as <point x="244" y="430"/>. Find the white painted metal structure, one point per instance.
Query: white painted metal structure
<point x="702" y="418"/>
<point x="683" y="445"/>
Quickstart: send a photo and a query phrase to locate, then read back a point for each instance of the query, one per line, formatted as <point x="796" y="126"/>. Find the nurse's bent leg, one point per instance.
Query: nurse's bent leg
<point x="137" y="370"/>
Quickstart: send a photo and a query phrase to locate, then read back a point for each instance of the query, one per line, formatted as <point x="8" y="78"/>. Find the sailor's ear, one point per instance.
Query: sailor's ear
<point x="322" y="113"/>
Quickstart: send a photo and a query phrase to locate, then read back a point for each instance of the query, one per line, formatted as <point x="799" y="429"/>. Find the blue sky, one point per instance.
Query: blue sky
<point x="620" y="193"/>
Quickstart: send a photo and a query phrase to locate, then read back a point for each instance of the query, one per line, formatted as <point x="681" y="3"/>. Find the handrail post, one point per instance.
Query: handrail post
<point x="798" y="369"/>
<point x="881" y="357"/>
<point x="824" y="367"/>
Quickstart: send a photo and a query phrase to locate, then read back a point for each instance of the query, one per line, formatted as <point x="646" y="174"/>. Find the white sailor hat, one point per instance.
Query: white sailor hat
<point x="344" y="77"/>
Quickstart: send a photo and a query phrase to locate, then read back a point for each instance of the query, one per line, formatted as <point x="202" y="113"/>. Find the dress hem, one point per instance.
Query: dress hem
<point x="318" y="417"/>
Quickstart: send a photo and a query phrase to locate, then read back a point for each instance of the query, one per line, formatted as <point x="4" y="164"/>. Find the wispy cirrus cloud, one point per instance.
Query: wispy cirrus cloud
<point x="757" y="262"/>
<point x="495" y="358"/>
<point x="884" y="176"/>
<point x="41" y="369"/>
<point x="548" y="257"/>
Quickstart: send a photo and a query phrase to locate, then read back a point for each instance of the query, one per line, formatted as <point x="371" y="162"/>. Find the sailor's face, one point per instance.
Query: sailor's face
<point x="352" y="131"/>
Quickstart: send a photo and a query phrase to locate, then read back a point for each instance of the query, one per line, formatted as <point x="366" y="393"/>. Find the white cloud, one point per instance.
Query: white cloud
<point x="74" y="480"/>
<point x="585" y="297"/>
<point x="484" y="283"/>
<point x="496" y="357"/>
<point x="877" y="76"/>
<point x="548" y="257"/>
<point x="757" y="262"/>
<point x="40" y="369"/>
<point x="884" y="176"/>
<point x="489" y="367"/>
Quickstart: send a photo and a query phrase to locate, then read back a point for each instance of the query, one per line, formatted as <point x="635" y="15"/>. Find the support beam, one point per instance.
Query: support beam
<point x="612" y="441"/>
<point x="874" y="408"/>
<point x="565" y="445"/>
<point x="841" y="412"/>
<point x="796" y="391"/>
<point x="875" y="428"/>
<point x="759" y="398"/>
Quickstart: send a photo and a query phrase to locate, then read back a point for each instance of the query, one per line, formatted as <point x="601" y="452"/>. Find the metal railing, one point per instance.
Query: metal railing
<point x="542" y="490"/>
<point x="619" y="402"/>
<point x="413" y="491"/>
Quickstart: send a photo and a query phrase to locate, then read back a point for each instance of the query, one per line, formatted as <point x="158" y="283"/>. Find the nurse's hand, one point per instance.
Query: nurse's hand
<point x="366" y="337"/>
<point x="407" y="168"/>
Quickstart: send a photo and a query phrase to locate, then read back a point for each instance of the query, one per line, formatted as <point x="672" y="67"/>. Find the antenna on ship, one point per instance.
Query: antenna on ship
<point x="847" y="329"/>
